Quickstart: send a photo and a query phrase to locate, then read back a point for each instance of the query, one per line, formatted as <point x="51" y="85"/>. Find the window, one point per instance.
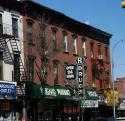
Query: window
<point x="75" y="44"/>
<point x="84" y="47"/>
<point x="15" y="27"/>
<point x="54" y="43"/>
<point x="29" y="32"/>
<point x="65" y="42"/>
<point x="91" y="50"/>
<point x="55" y="71"/>
<point x="106" y="53"/>
<point x="1" y="24"/>
<point x="16" y="66"/>
<point x="100" y="56"/>
<point x="31" y="60"/>
<point x="1" y="65"/>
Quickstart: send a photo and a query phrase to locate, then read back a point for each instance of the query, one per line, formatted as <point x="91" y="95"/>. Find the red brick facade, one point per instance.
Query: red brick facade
<point x="120" y="86"/>
<point x="97" y="51"/>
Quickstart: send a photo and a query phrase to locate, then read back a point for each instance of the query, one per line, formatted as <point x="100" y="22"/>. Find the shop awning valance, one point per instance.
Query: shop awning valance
<point x="44" y="91"/>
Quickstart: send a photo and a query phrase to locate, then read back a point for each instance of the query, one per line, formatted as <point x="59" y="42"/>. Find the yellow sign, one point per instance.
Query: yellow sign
<point x="111" y="97"/>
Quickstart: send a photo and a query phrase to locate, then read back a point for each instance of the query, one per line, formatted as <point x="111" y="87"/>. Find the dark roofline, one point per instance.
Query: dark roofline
<point x="70" y="23"/>
<point x="89" y="28"/>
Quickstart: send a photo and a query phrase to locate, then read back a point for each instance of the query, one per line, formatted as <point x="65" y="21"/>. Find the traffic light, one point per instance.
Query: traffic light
<point x="123" y="3"/>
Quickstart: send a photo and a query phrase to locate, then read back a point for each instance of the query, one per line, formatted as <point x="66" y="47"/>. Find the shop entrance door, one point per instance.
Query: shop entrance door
<point x="47" y="116"/>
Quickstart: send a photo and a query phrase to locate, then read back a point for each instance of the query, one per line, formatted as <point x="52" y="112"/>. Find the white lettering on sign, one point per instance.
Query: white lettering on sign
<point x="69" y="67"/>
<point x="80" y="75"/>
<point x="70" y="71"/>
<point x="70" y="76"/>
<point x="50" y="92"/>
<point x="63" y="92"/>
<point x="79" y="60"/>
<point x="79" y="67"/>
<point x="41" y="90"/>
<point x="10" y="86"/>
<point x="92" y="93"/>
<point x="89" y="103"/>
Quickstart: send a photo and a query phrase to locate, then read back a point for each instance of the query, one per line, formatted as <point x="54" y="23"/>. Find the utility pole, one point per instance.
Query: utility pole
<point x="113" y="83"/>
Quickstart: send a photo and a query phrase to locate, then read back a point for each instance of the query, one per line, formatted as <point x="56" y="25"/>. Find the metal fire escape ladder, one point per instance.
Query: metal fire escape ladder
<point x="15" y="49"/>
<point x="7" y="56"/>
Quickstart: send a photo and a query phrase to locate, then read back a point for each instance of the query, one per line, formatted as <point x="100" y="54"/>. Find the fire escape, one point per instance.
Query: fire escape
<point x="9" y="45"/>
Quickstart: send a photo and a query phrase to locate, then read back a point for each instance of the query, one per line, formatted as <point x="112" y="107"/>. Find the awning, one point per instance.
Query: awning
<point x="90" y="99"/>
<point x="53" y="92"/>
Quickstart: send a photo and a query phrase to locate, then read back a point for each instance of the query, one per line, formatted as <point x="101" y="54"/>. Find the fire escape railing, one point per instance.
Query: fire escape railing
<point x="9" y="45"/>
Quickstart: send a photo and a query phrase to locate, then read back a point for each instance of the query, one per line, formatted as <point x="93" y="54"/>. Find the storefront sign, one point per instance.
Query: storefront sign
<point x="91" y="95"/>
<point x="64" y="92"/>
<point x="7" y="89"/>
<point x="89" y="103"/>
<point x="50" y="92"/>
<point x="90" y="99"/>
<point x="70" y="71"/>
<point x="80" y="75"/>
<point x="54" y="91"/>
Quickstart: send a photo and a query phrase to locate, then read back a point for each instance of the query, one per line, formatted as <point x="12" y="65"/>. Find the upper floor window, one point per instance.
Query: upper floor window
<point x="100" y="56"/>
<point x="106" y="53"/>
<point x="30" y="65"/>
<point x="54" y="39"/>
<point x="1" y="65"/>
<point x="92" y="50"/>
<point x="15" y="27"/>
<point x="65" y="42"/>
<point x="84" y="46"/>
<point x="55" y="71"/>
<point x="75" y="44"/>
<point x="1" y="24"/>
<point x="16" y="66"/>
<point x="29" y="31"/>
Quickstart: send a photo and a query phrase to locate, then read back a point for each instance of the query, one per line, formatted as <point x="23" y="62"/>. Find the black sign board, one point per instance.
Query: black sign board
<point x="80" y="75"/>
<point x="70" y="71"/>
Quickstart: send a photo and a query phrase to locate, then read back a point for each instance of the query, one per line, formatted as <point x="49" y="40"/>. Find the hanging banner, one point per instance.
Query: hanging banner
<point x="80" y="75"/>
<point x="70" y="72"/>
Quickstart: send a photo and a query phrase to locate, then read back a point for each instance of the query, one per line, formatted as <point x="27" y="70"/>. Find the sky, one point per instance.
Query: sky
<point x="107" y="15"/>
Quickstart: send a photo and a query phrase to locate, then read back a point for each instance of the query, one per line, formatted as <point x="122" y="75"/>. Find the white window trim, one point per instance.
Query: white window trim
<point x="84" y="48"/>
<point x="66" y="43"/>
<point x="75" y="45"/>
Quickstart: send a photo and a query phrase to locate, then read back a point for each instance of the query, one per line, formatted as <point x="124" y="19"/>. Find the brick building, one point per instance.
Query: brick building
<point x="52" y="41"/>
<point x="52" y="44"/>
<point x="120" y="86"/>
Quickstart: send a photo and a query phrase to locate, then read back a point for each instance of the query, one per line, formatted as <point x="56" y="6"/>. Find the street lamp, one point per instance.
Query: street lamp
<point x="113" y="83"/>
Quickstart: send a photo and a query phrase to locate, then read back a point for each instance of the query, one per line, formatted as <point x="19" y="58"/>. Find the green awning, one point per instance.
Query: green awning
<point x="90" y="99"/>
<point x="39" y="91"/>
<point x="91" y="94"/>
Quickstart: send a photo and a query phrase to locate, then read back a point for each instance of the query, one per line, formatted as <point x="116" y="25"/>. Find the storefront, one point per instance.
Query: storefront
<point x="7" y="101"/>
<point x="89" y="105"/>
<point x="51" y="103"/>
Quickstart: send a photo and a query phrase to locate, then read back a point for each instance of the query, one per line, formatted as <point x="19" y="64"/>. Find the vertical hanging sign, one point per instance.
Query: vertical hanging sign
<point x="80" y="75"/>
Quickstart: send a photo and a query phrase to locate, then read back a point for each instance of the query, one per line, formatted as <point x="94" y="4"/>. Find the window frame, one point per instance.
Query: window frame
<point x="29" y="31"/>
<point x="65" y="41"/>
<point x="56" y="75"/>
<point x="1" y="23"/>
<point x="75" y="50"/>
<point x="15" y="27"/>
